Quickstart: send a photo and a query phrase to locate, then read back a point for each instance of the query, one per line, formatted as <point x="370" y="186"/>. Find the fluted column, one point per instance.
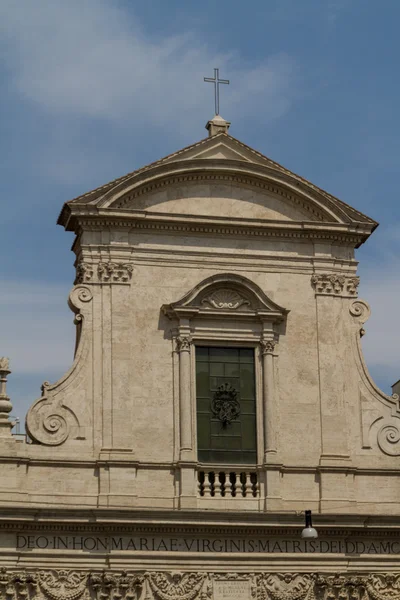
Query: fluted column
<point x="269" y="404"/>
<point x="184" y="344"/>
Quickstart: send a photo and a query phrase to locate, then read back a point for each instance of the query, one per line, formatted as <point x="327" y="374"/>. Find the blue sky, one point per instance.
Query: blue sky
<point x="93" y="89"/>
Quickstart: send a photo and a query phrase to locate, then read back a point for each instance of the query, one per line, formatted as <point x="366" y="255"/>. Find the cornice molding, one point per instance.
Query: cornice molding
<point x="332" y="232"/>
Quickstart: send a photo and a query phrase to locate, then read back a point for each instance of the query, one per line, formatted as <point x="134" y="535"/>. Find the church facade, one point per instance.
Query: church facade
<point x="218" y="391"/>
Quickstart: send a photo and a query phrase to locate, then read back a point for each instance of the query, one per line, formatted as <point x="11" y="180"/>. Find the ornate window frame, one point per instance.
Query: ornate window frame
<point x="230" y="310"/>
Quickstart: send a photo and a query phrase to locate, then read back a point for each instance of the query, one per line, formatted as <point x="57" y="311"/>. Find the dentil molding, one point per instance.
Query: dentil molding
<point x="74" y="584"/>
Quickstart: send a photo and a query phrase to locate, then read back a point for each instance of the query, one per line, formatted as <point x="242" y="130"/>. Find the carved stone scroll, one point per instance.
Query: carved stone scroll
<point x="49" y="421"/>
<point x="226" y="299"/>
<point x="389" y="439"/>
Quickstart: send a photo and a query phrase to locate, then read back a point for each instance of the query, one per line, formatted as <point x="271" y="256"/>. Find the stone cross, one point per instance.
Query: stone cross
<point x="216" y="81"/>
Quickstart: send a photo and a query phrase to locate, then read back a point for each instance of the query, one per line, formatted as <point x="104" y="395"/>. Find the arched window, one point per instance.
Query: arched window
<point x="226" y="331"/>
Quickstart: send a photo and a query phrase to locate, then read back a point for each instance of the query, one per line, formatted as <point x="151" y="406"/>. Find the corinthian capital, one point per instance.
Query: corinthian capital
<point x="267" y="346"/>
<point x="332" y="284"/>
<point x="183" y="343"/>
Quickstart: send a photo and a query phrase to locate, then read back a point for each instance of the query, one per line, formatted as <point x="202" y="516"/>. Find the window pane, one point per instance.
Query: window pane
<point x="232" y="370"/>
<point x="203" y="431"/>
<point x="201" y="353"/>
<point x="224" y="354"/>
<point x="202" y="379"/>
<point x="218" y="370"/>
<point x="246" y="355"/>
<point x="247" y="381"/>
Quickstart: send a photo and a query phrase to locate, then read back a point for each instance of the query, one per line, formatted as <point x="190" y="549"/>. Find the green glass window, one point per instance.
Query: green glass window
<point x="226" y="406"/>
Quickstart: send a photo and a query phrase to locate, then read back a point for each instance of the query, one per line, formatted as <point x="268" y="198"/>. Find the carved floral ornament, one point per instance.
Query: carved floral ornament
<point x="224" y="295"/>
<point x="108" y="585"/>
<point x="332" y="284"/>
<point x="103" y="272"/>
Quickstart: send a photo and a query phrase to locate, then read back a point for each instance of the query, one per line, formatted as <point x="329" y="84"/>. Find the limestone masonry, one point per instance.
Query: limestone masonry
<point x="218" y="390"/>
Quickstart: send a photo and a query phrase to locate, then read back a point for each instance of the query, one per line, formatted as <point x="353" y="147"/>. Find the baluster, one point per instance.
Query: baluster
<point x="248" y="485"/>
<point x="217" y="485"/>
<point x="243" y="479"/>
<point x="255" y="486"/>
<point x="232" y="479"/>
<point x="200" y="479"/>
<point x="222" y="478"/>
<point x="207" y="484"/>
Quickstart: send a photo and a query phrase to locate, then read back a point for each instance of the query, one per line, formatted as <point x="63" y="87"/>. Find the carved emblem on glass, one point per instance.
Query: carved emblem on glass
<point x="225" y="404"/>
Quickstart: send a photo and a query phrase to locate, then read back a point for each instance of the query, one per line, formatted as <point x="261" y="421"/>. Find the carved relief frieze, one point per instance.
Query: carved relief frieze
<point x="331" y="284"/>
<point x="285" y="586"/>
<point x="103" y="272"/>
<point x="174" y="586"/>
<point x="340" y="587"/>
<point x="114" y="272"/>
<point x="75" y="584"/>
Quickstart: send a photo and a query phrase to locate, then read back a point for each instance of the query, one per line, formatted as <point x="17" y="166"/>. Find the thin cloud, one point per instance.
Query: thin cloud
<point x="38" y="332"/>
<point x="89" y="58"/>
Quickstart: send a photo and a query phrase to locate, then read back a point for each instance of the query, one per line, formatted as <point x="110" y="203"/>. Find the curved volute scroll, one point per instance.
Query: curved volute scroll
<point x="50" y="421"/>
<point x="383" y="423"/>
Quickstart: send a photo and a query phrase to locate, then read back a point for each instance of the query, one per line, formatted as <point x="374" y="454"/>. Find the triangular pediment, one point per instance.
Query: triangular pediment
<point x="219" y="146"/>
<point x="219" y="178"/>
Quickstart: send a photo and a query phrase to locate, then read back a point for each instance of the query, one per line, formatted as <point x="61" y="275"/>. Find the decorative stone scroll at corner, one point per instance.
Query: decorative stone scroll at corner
<point x="183" y="343"/>
<point x="267" y="346"/>
<point x="360" y="310"/>
<point x="388" y="439"/>
<point x="225" y="299"/>
<point x="176" y="586"/>
<point x="48" y="422"/>
<point x="114" y="272"/>
<point x="331" y="284"/>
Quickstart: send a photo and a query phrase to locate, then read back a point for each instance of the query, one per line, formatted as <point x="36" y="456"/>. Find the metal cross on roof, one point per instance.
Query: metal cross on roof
<point x="216" y="81"/>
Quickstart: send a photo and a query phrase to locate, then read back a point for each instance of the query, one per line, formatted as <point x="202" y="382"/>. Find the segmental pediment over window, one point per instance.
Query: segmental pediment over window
<point x="226" y="295"/>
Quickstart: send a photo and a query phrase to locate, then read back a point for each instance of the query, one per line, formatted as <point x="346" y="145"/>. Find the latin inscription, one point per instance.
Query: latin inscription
<point x="232" y="590"/>
<point x="246" y="545"/>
